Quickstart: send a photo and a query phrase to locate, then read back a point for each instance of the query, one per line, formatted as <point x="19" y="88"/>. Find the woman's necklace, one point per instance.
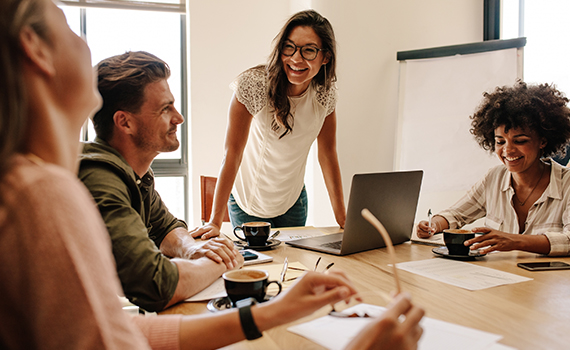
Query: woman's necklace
<point x="534" y="188"/>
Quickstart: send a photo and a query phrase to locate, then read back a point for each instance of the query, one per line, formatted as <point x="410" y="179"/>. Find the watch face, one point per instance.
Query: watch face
<point x="246" y="302"/>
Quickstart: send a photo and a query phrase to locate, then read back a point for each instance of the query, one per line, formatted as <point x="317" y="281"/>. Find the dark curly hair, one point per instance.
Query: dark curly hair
<point x="541" y="108"/>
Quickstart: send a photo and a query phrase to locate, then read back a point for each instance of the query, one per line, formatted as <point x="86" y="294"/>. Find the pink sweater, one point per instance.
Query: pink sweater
<point x="58" y="283"/>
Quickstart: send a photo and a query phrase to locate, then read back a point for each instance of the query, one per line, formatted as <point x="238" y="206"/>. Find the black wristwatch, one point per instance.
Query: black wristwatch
<point x="246" y="318"/>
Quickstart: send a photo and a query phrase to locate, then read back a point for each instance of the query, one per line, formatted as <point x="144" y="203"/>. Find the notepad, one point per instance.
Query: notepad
<point x="435" y="240"/>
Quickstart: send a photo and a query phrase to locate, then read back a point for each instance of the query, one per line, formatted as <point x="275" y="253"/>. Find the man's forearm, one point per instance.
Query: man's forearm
<point x="194" y="276"/>
<point x="177" y="244"/>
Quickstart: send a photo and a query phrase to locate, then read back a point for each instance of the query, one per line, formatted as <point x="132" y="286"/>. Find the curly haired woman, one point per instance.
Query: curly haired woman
<point x="526" y="200"/>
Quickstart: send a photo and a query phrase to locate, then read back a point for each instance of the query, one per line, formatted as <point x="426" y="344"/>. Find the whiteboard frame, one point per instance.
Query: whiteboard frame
<point x="429" y="198"/>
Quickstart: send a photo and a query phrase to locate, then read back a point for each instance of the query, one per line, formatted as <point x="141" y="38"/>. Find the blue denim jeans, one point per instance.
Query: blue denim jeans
<point x="295" y="216"/>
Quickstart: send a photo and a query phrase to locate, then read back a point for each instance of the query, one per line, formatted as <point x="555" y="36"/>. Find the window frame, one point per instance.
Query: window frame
<point x="161" y="167"/>
<point x="491" y="20"/>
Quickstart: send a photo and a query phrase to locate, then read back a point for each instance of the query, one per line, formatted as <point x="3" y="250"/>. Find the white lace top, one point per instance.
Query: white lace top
<point x="272" y="171"/>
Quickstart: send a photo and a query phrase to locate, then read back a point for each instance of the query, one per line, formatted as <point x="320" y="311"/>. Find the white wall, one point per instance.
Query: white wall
<point x="229" y="36"/>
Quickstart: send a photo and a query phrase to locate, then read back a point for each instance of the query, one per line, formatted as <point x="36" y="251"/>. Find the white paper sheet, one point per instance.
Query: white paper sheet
<point x="291" y="234"/>
<point x="217" y="289"/>
<point x="461" y="274"/>
<point x="335" y="333"/>
<point x="213" y="291"/>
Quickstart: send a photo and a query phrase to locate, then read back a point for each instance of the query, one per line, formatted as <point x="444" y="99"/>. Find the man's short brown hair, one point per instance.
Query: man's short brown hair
<point x="121" y="82"/>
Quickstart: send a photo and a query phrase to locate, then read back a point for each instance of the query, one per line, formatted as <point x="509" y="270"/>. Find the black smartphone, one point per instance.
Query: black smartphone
<point x="248" y="255"/>
<point x="543" y="266"/>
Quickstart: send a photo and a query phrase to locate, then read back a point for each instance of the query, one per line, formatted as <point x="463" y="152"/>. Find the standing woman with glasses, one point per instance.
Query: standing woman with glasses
<point x="276" y="113"/>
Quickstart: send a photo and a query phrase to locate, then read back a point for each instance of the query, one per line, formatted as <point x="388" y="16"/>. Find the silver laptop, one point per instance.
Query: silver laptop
<point x="392" y="197"/>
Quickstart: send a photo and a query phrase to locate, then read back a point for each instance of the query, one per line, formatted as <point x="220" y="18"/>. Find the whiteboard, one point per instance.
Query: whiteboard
<point x="436" y="98"/>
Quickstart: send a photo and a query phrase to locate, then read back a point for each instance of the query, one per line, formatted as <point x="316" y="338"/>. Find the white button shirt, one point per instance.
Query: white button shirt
<point x="492" y="198"/>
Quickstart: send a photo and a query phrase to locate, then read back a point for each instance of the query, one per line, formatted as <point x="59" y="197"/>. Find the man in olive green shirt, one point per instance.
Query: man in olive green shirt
<point x="158" y="262"/>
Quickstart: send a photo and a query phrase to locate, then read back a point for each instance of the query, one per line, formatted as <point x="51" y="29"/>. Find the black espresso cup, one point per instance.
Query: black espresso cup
<point x="256" y="233"/>
<point x="246" y="283"/>
<point x="454" y="241"/>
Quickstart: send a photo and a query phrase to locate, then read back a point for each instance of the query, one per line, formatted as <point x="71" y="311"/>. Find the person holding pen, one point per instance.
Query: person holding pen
<point x="526" y="200"/>
<point x="59" y="284"/>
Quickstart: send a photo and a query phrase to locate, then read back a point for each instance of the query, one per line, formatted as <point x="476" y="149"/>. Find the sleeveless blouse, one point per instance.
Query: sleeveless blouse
<point x="272" y="171"/>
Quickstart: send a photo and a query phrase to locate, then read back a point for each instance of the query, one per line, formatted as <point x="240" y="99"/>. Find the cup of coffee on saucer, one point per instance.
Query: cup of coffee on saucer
<point x="255" y="233"/>
<point x="454" y="241"/>
<point x="245" y="283"/>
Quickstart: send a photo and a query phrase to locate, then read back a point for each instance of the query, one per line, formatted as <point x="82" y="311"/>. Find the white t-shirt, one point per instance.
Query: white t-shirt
<point x="271" y="176"/>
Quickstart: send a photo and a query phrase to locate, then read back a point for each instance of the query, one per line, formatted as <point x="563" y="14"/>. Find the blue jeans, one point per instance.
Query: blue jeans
<point x="295" y="216"/>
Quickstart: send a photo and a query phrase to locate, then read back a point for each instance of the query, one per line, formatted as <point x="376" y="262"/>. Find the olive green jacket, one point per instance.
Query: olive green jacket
<point x="137" y="221"/>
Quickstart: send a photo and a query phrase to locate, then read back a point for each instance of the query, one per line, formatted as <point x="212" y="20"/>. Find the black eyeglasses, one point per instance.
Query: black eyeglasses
<point x="308" y="52"/>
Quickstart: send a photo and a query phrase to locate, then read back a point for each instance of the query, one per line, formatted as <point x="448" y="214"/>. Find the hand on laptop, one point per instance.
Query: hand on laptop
<point x="341" y="219"/>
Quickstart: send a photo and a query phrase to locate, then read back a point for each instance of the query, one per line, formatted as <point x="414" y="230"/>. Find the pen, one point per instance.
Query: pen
<point x="429" y="220"/>
<point x="284" y="271"/>
<point x="296" y="268"/>
<point x="328" y="267"/>
<point x="275" y="234"/>
<point x="317" y="264"/>
<point x="378" y="225"/>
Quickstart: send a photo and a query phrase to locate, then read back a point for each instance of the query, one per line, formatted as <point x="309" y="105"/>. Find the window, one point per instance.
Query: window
<point x="113" y="27"/>
<point x="545" y="25"/>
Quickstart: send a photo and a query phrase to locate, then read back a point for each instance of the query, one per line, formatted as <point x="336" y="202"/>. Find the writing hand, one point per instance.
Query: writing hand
<point x="312" y="291"/>
<point x="387" y="332"/>
<point x="423" y="230"/>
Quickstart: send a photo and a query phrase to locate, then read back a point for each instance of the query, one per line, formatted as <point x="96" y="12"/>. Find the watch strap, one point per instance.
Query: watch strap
<point x="247" y="323"/>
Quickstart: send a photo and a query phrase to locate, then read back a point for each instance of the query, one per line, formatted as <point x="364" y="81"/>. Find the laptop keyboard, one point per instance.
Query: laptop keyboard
<point x="333" y="245"/>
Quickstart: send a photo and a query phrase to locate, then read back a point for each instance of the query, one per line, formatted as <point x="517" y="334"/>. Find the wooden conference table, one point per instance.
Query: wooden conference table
<point x="529" y="315"/>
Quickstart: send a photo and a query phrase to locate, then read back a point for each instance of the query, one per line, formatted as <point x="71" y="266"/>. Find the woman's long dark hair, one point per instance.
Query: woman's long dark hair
<point x="14" y="16"/>
<point x="277" y="79"/>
